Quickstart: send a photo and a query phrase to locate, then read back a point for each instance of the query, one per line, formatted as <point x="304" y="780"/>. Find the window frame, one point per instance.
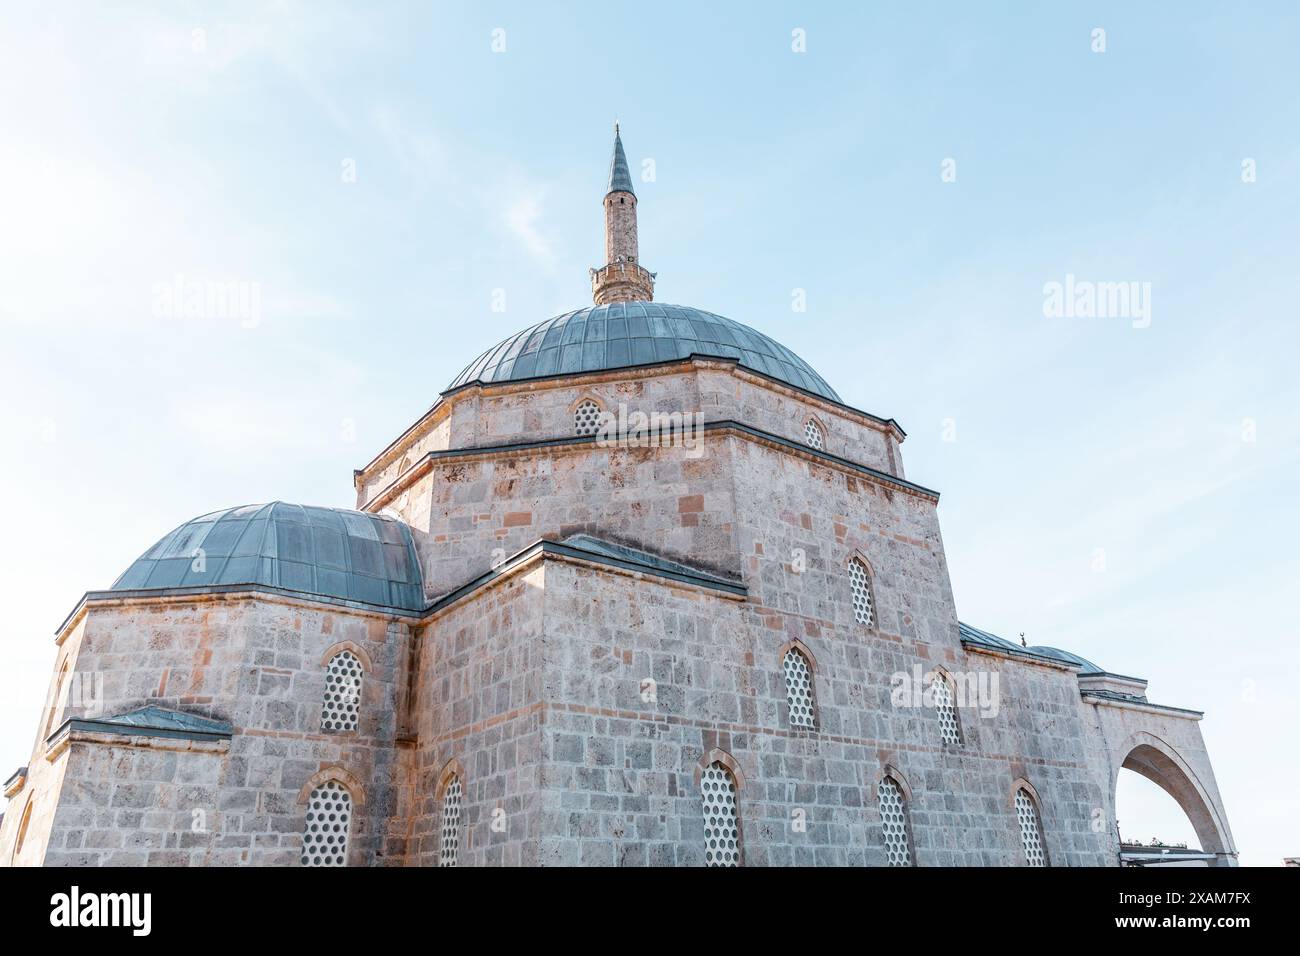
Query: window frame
<point x="452" y="772"/>
<point x="939" y="673"/>
<point x="729" y="764"/>
<point x="869" y="569"/>
<point x="894" y="775"/>
<point x="822" y="433"/>
<point x="1021" y="785"/>
<point x="363" y="661"/>
<point x="796" y="646"/>
<point x="583" y="399"/>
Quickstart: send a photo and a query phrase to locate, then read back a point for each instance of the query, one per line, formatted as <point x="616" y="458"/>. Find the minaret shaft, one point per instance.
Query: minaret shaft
<point x="621" y="278"/>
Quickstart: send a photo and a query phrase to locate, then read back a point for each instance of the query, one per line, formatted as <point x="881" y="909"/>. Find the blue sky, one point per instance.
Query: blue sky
<point x="136" y="150"/>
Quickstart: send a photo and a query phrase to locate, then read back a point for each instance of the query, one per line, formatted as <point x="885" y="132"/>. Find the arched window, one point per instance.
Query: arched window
<point x="342" y="693"/>
<point x="451" y="802"/>
<point x="864" y="611"/>
<point x="893" y="822"/>
<point x="812" y="433"/>
<point x="22" y="826"/>
<point x="799" y="690"/>
<point x="1031" y="829"/>
<point x="329" y="819"/>
<point x="586" y="418"/>
<point x="946" y="708"/>
<point x="721" y="831"/>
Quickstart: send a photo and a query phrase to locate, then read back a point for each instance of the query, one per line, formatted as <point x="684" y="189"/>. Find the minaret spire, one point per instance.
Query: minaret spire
<point x="621" y="279"/>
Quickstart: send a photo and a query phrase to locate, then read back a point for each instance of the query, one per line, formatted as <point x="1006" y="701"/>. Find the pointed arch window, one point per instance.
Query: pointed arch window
<point x="328" y="826"/>
<point x="721" y="829"/>
<point x="945" y="707"/>
<point x="864" y="608"/>
<point x="1031" y="829"/>
<point x="813" y="435"/>
<point x="894" y="823"/>
<point x="23" y="824"/>
<point x="342" y="693"/>
<point x="451" y="808"/>
<point x="586" y="418"/>
<point x="799" y="690"/>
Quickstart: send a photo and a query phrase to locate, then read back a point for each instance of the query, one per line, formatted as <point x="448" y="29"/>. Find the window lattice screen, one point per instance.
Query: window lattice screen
<point x="586" y="418"/>
<point x="946" y="708"/>
<point x="893" y="821"/>
<point x="721" y="833"/>
<point x="451" y="803"/>
<point x="1031" y="832"/>
<point x="329" y="815"/>
<point x="860" y="584"/>
<point x="798" y="689"/>
<point x="813" y="435"/>
<point x="342" y="693"/>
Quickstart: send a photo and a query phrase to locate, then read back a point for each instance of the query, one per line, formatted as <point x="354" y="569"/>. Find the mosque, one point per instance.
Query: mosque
<point x="639" y="589"/>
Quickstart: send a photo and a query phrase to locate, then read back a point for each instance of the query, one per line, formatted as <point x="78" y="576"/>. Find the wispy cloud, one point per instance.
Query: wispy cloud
<point x="524" y="218"/>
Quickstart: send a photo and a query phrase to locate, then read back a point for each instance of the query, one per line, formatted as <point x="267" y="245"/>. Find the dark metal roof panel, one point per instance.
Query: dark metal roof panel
<point x="330" y="552"/>
<point x="630" y="334"/>
<point x="620" y="178"/>
<point x="974" y="635"/>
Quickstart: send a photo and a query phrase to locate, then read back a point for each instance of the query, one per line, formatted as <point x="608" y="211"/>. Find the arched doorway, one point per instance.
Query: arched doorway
<point x="1157" y="761"/>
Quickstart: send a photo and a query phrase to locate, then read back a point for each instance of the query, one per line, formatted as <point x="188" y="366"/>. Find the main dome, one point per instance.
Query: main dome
<point x="330" y="552"/>
<point x="628" y="334"/>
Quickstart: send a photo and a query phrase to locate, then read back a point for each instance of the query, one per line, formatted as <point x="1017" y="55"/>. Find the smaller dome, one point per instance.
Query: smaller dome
<point x="328" y="552"/>
<point x="1086" y="666"/>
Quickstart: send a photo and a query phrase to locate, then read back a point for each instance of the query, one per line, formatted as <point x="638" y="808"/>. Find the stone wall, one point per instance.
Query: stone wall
<point x="537" y="411"/>
<point x="620" y="784"/>
<point x="478" y="713"/>
<point x="257" y="663"/>
<point x="125" y="804"/>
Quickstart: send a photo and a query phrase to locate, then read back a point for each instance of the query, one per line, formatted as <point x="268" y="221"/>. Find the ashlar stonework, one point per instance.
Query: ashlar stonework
<point x="561" y="638"/>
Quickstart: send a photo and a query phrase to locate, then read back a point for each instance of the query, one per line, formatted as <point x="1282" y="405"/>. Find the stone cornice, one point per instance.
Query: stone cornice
<point x="441" y="408"/>
<point x="94" y="732"/>
<point x="421" y="467"/>
<point x="15" y="782"/>
<point x="544" y="549"/>
<point x="1142" y="706"/>
<point x="225" y="592"/>
<point x="1021" y="658"/>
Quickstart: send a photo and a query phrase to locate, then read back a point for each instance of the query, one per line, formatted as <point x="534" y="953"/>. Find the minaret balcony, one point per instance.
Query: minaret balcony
<point x="622" y="282"/>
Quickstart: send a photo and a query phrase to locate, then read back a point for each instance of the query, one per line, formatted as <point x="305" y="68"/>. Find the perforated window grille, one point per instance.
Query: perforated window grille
<point x="586" y="418"/>
<point x="1031" y="832"/>
<point x="450" y="823"/>
<point x="798" y="689"/>
<point x="721" y="834"/>
<point x="945" y="707"/>
<point x="342" y="693"/>
<point x="860" y="583"/>
<point x="329" y="815"/>
<point x="813" y="434"/>
<point x="893" y="821"/>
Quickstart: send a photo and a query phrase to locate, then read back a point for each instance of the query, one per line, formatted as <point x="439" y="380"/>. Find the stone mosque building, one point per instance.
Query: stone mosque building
<point x="638" y="589"/>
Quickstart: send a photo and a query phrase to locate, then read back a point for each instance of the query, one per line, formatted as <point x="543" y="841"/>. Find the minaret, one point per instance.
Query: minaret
<point x="621" y="278"/>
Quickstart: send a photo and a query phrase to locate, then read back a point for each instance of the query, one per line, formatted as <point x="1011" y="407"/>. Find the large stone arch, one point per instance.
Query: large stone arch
<point x="1158" y="761"/>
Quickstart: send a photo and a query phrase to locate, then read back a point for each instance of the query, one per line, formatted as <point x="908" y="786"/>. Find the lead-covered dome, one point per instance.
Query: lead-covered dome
<point x="328" y="552"/>
<point x="627" y="334"/>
